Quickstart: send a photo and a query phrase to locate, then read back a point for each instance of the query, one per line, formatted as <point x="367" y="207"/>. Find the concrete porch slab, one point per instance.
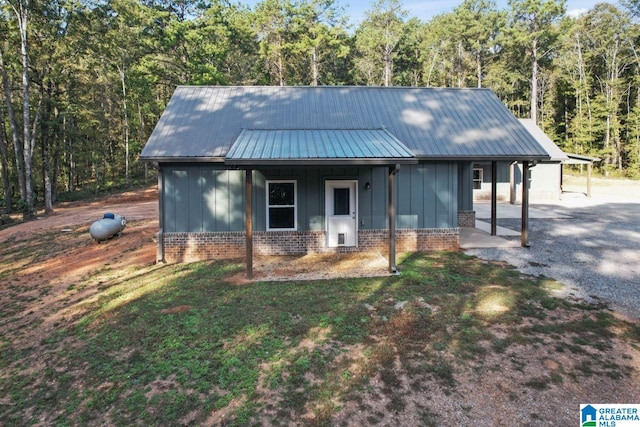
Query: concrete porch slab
<point x="473" y="238"/>
<point x="507" y="210"/>
<point x="501" y="231"/>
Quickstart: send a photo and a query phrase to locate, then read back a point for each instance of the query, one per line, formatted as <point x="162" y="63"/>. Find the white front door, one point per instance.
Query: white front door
<point x="342" y="213"/>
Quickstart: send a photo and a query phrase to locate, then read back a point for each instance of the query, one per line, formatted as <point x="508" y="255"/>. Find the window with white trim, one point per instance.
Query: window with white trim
<point x="477" y="179"/>
<point x="281" y="205"/>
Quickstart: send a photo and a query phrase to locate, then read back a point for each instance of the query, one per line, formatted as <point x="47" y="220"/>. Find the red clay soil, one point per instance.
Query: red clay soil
<point x="63" y="253"/>
<point x="134" y="205"/>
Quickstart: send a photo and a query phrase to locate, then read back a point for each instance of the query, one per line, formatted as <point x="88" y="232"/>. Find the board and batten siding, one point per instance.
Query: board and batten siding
<point x="428" y="195"/>
<point x="202" y="199"/>
<point x="210" y="198"/>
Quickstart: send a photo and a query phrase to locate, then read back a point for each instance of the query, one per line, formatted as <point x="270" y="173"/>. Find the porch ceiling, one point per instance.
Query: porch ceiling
<point x="258" y="147"/>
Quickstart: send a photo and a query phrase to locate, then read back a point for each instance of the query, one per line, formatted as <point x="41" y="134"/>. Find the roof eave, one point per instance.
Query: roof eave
<point x="185" y="159"/>
<point x="537" y="158"/>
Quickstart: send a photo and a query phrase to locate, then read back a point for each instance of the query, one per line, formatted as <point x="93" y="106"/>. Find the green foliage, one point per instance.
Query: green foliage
<point x="102" y="72"/>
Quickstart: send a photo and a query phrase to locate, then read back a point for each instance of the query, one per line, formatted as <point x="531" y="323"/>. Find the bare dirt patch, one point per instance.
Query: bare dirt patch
<point x="316" y="267"/>
<point x="61" y="253"/>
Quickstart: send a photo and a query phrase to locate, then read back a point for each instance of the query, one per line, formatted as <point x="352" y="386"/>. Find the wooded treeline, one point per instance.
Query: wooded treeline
<point x="84" y="81"/>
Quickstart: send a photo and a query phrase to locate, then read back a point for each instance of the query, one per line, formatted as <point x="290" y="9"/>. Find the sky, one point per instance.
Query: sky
<point x="426" y="9"/>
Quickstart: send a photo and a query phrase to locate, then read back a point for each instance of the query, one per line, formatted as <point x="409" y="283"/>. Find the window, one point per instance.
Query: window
<point x="341" y="201"/>
<point x="477" y="179"/>
<point x="281" y="205"/>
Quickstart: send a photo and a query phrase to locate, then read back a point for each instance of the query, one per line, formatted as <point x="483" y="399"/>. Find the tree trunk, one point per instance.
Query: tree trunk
<point x="388" y="48"/>
<point x="46" y="161"/>
<point x="121" y="71"/>
<point x="314" y="67"/>
<point x="280" y="70"/>
<point x="46" y="172"/>
<point x="27" y="153"/>
<point x="4" y="164"/>
<point x="14" y="129"/>
<point x="142" y="137"/>
<point x="534" y="81"/>
<point x="71" y="164"/>
<point x="479" y="68"/>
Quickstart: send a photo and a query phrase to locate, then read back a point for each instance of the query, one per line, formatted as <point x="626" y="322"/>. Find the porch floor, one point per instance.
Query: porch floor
<point x="474" y="238"/>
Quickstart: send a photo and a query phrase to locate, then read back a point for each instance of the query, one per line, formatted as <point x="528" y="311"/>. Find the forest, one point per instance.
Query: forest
<point x="84" y="81"/>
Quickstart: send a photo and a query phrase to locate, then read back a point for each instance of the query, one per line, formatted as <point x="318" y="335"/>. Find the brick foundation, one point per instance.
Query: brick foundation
<point x="188" y="247"/>
<point x="466" y="218"/>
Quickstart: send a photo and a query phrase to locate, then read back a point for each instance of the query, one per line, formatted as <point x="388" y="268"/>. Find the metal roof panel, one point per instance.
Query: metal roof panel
<point x="265" y="146"/>
<point x="205" y="121"/>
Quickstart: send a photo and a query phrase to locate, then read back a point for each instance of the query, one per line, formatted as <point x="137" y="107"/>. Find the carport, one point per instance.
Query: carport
<point x="579" y="159"/>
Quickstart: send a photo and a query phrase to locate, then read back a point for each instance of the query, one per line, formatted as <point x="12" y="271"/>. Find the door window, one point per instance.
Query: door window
<point x="341" y="201"/>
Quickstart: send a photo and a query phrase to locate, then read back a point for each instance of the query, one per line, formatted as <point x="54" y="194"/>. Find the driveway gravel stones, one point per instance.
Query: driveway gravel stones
<point x="590" y="245"/>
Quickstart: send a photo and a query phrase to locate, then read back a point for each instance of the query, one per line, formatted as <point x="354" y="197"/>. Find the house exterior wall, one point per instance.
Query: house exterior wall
<point x="503" y="188"/>
<point x="203" y="209"/>
<point x="544" y="182"/>
<point x="466" y="214"/>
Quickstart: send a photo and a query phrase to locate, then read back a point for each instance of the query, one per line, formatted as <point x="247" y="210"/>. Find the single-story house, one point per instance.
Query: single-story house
<point x="291" y="170"/>
<point x="545" y="178"/>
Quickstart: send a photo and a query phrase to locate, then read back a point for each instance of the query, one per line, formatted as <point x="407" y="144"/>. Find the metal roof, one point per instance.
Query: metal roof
<point x="315" y="146"/>
<point x="580" y="159"/>
<point x="556" y="154"/>
<point x="201" y="123"/>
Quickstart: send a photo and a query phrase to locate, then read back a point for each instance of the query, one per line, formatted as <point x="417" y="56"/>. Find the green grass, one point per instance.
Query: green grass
<point x="180" y="345"/>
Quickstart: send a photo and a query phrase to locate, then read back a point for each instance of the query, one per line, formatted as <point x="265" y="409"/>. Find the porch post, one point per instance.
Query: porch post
<point x="512" y="182"/>
<point x="524" y="237"/>
<point x="494" y="197"/>
<point x="589" y="167"/>
<point x="249" y="222"/>
<point x="392" y="220"/>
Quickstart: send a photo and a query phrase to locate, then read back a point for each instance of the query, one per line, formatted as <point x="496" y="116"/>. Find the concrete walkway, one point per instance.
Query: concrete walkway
<point x="507" y="210"/>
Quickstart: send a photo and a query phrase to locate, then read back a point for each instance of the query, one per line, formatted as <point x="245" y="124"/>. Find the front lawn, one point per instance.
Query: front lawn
<point x="180" y="345"/>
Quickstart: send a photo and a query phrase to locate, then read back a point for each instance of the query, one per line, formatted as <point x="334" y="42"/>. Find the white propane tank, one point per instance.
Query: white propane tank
<point x="107" y="227"/>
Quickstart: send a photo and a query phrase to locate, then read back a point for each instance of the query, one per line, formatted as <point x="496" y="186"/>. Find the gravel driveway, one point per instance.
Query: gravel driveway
<point x="590" y="245"/>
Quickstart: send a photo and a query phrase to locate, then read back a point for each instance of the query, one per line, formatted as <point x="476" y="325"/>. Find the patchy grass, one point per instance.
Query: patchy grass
<point x="178" y="344"/>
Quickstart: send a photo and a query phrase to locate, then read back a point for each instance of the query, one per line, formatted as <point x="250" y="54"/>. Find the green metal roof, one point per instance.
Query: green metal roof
<point x="317" y="146"/>
<point x="201" y="123"/>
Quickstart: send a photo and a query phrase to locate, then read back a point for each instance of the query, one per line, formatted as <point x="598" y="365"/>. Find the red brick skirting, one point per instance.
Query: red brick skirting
<point x="187" y="247"/>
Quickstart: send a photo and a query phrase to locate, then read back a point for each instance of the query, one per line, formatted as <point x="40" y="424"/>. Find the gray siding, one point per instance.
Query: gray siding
<point x="465" y="186"/>
<point x="427" y="195"/>
<point x="205" y="198"/>
<point x="202" y="198"/>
